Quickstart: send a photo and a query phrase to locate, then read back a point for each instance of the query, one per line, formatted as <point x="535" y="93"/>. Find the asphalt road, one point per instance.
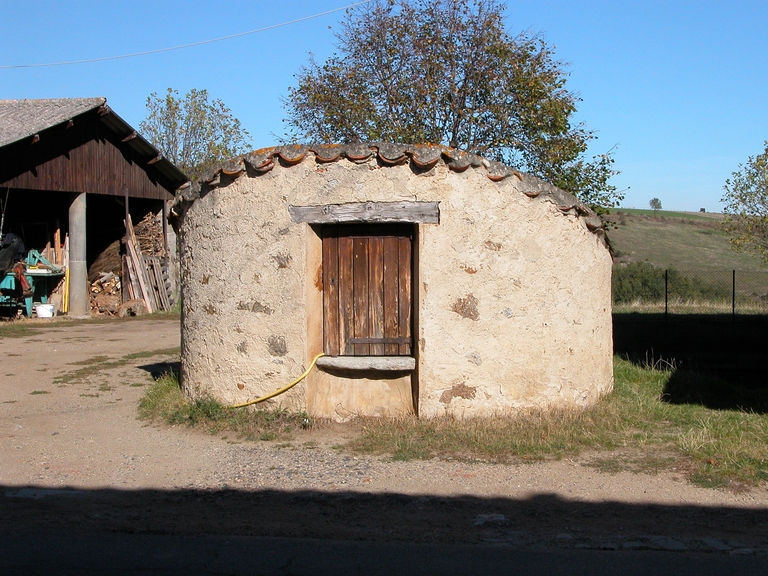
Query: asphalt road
<point x="46" y="552"/>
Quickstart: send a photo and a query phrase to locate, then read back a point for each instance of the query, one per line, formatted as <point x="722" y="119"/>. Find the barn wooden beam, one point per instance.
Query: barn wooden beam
<point x="130" y="137"/>
<point x="420" y="212"/>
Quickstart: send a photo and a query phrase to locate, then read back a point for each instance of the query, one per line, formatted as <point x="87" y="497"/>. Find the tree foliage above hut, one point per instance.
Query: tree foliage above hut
<point x="447" y="72"/>
<point x="195" y="133"/>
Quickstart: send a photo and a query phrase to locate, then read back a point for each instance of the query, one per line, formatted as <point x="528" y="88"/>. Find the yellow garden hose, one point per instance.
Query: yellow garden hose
<point x="281" y="390"/>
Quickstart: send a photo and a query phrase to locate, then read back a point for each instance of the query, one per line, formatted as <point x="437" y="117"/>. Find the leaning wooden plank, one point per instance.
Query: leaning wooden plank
<point x="151" y="282"/>
<point x="156" y="273"/>
<point x="141" y="272"/>
<point x="57" y="247"/>
<point x="134" y="254"/>
<point x="157" y="270"/>
<point x="124" y="282"/>
<point x="167" y="282"/>
<point x="134" y="290"/>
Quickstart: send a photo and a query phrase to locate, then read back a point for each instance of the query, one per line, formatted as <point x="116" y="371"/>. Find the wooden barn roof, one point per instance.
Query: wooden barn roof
<point x="35" y="138"/>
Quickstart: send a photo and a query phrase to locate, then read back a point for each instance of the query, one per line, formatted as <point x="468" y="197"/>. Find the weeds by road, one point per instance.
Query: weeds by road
<point x="165" y="402"/>
<point x="633" y="428"/>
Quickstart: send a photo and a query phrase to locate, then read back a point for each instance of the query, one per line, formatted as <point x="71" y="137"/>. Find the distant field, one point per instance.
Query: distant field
<point x="709" y="216"/>
<point x="682" y="240"/>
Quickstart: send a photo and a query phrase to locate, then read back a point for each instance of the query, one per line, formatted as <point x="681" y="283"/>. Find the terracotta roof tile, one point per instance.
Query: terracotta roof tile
<point x="422" y="156"/>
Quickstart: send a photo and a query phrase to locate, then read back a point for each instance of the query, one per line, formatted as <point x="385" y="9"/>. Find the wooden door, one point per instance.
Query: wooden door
<point x="367" y="290"/>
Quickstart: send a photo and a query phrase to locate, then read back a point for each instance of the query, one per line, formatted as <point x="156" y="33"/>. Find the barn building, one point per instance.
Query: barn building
<point x="72" y="166"/>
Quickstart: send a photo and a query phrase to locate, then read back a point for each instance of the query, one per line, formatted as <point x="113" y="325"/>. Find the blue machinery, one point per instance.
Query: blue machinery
<point x="42" y="277"/>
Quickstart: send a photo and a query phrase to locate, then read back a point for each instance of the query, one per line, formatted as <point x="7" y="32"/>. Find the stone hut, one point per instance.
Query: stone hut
<point x="435" y="282"/>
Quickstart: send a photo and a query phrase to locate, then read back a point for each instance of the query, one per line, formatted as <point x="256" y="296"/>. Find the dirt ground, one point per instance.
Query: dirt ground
<point x="74" y="456"/>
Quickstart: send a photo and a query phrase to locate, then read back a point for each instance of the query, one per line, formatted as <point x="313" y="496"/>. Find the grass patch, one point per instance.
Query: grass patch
<point x="37" y="392"/>
<point x="711" y="447"/>
<point x="98" y="364"/>
<point x="163" y="401"/>
<point x="150" y="353"/>
<point x="90" y="361"/>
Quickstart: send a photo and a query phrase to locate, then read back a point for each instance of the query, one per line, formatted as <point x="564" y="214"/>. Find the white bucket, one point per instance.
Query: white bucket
<point x="44" y="310"/>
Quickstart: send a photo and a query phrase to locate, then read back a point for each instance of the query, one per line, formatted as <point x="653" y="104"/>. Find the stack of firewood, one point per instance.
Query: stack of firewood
<point x="149" y="235"/>
<point x="106" y="295"/>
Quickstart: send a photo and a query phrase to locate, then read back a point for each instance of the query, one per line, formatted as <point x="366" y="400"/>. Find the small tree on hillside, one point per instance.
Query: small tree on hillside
<point x="195" y="133"/>
<point x="448" y="72"/>
<point x="655" y="205"/>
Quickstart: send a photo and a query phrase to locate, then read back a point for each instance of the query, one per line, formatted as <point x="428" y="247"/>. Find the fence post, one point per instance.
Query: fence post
<point x="666" y="294"/>
<point x="733" y="297"/>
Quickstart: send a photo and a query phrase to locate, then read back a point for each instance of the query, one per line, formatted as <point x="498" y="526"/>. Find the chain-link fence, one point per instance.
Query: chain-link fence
<point x="641" y="287"/>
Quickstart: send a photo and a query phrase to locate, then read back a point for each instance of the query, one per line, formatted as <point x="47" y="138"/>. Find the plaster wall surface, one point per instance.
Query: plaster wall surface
<point x="513" y="294"/>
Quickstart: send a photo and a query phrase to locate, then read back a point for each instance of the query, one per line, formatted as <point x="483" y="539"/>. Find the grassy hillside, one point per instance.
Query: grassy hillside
<point x="706" y="216"/>
<point x="682" y="240"/>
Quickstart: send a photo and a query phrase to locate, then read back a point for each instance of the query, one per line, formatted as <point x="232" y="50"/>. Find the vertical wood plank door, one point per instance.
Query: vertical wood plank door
<point x="367" y="290"/>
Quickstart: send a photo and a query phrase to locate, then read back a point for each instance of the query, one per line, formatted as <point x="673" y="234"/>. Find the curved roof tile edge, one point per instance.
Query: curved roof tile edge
<point x="423" y="157"/>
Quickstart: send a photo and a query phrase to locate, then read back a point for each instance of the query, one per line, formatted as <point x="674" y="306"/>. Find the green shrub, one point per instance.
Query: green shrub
<point x="637" y="281"/>
<point x="643" y="282"/>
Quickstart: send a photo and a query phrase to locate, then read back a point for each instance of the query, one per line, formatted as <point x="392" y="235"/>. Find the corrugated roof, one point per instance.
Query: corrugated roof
<point x="23" y="118"/>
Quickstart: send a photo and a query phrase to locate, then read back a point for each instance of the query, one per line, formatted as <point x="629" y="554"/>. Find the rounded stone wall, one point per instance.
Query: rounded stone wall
<point x="511" y="283"/>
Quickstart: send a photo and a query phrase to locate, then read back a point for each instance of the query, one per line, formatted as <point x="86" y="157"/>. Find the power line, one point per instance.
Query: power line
<point x="147" y="52"/>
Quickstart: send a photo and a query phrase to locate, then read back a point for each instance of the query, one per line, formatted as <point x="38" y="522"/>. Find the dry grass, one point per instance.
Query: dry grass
<point x="715" y="448"/>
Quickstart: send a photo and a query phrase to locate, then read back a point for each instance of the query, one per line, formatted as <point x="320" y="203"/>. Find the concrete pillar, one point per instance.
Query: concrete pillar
<point x="79" y="304"/>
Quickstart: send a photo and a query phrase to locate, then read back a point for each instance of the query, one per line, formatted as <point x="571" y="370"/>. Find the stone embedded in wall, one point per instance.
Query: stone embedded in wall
<point x="495" y="246"/>
<point x="475" y="358"/>
<point x="282" y="260"/>
<point x="460" y="390"/>
<point x="467" y="307"/>
<point x="242" y="347"/>
<point x="210" y="309"/>
<point x="277" y="346"/>
<point x="255" y="307"/>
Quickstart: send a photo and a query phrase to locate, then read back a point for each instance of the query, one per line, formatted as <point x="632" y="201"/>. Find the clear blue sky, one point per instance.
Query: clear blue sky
<point x="680" y="87"/>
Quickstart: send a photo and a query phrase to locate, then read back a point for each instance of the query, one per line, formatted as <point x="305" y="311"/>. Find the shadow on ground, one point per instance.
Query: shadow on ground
<point x="159" y="369"/>
<point x="539" y="521"/>
<point x="719" y="361"/>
